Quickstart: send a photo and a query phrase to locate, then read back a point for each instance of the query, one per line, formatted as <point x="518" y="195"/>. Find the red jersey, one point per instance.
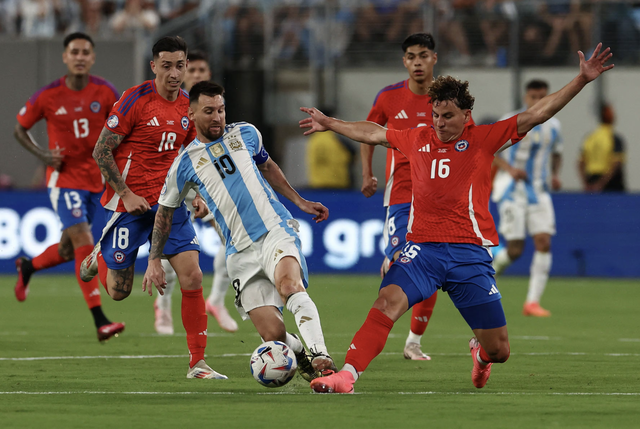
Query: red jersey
<point x="397" y="107"/>
<point x="154" y="129"/>
<point x="74" y="122"/>
<point x="452" y="181"/>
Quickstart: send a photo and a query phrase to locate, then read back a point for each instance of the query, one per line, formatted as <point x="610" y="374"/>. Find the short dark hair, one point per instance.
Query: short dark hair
<point x="74" y="36"/>
<point x="197" y="55"/>
<point x="170" y="44"/>
<point x="422" y="39"/>
<point x="208" y="88"/>
<point x="448" y="88"/>
<point x="536" y="84"/>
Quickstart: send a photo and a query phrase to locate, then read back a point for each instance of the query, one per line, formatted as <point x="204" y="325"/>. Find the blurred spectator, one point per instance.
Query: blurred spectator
<point x="330" y="160"/>
<point x="95" y="21"/>
<point x="601" y="163"/>
<point x="248" y="35"/>
<point x="572" y="18"/>
<point x="9" y="16"/>
<point x="171" y="9"/>
<point x="6" y="182"/>
<point x="137" y="16"/>
<point x="38" y="17"/>
<point x="387" y="21"/>
<point x="292" y="34"/>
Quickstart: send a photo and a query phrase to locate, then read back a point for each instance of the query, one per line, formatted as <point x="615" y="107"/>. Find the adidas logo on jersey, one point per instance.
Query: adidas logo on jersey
<point x="202" y="162"/>
<point x="154" y="122"/>
<point x="493" y="290"/>
<point x="402" y="115"/>
<point x="61" y="111"/>
<point x="425" y="148"/>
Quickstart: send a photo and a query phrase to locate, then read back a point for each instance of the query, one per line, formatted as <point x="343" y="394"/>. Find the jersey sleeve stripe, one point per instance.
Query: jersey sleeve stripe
<point x="56" y="83"/>
<point x="124" y="109"/>
<point x="389" y="88"/>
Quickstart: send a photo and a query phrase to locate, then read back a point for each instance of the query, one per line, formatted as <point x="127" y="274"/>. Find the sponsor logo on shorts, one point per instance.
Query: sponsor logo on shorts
<point x="164" y="189"/>
<point x="394" y="241"/>
<point x="493" y="290"/>
<point x="405" y="260"/>
<point x="461" y="145"/>
<point x="95" y="107"/>
<point x="184" y="122"/>
<point x="77" y="212"/>
<point x="119" y="257"/>
<point x="278" y="253"/>
<point x="112" y="122"/>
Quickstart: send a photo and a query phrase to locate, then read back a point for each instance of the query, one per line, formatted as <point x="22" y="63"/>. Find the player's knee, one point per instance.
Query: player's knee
<point x="65" y="250"/>
<point x="118" y="295"/>
<point x="191" y="279"/>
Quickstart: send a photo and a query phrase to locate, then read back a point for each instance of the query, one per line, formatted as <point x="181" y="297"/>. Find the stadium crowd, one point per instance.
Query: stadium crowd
<point x="476" y="31"/>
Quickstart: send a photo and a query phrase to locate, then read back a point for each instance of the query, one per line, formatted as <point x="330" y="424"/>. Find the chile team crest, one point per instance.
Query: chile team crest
<point x="461" y="145"/>
<point x="184" y="122"/>
<point x="95" y="107"/>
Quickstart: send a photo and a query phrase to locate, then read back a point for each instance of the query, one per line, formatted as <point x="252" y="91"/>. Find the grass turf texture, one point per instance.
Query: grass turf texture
<point x="577" y="369"/>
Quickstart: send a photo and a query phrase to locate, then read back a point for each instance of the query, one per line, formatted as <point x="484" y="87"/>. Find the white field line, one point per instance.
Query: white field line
<point x="227" y="355"/>
<point x="88" y="392"/>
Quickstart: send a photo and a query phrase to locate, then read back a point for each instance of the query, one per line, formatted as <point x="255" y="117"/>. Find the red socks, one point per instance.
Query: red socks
<point x="369" y="340"/>
<point x="47" y="259"/>
<point x="90" y="289"/>
<point x="102" y="272"/>
<point x="194" y="320"/>
<point x="421" y="314"/>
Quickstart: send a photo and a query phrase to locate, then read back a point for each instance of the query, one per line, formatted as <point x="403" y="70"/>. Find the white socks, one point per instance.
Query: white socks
<point x="348" y="367"/>
<point x="501" y="261"/>
<point x="308" y="321"/>
<point x="413" y="338"/>
<point x="539" y="274"/>
<point x="294" y="343"/>
<point x="221" y="280"/>
<point x="164" y="301"/>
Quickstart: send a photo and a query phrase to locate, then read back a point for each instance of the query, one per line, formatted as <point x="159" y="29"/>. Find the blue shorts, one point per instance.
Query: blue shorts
<point x="395" y="228"/>
<point x="125" y="233"/>
<point x="74" y="206"/>
<point x="464" y="271"/>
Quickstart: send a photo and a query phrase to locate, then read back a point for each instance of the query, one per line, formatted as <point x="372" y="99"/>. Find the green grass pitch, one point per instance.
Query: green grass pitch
<point x="579" y="368"/>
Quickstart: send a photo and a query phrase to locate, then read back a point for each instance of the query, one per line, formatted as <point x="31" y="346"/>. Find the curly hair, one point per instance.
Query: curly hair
<point x="448" y="88"/>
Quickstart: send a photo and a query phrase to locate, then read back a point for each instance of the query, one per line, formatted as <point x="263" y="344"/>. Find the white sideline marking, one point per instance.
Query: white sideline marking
<point x="85" y="392"/>
<point x="225" y="355"/>
<point x="629" y="340"/>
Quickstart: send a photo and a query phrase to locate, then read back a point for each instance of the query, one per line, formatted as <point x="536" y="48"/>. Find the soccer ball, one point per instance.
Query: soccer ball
<point x="273" y="364"/>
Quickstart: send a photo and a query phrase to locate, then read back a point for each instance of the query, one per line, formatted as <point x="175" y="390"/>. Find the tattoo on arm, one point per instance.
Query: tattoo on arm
<point x="124" y="281"/>
<point x="103" y="154"/>
<point x="161" y="230"/>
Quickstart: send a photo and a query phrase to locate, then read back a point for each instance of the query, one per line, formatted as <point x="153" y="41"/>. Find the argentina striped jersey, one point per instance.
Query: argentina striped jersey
<point x="225" y="173"/>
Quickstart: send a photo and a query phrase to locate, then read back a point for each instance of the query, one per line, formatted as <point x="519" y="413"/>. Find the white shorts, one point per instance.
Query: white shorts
<point x="252" y="270"/>
<point x="517" y="217"/>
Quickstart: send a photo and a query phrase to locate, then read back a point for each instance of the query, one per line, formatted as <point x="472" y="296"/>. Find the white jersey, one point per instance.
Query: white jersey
<point x="532" y="154"/>
<point x="226" y="175"/>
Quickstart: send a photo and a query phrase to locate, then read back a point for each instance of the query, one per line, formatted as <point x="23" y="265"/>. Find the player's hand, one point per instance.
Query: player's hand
<point x="518" y="174"/>
<point x="135" y="204"/>
<point x="319" y="211"/>
<point x="556" y="183"/>
<point x="593" y="67"/>
<point x="316" y="120"/>
<point x="154" y="276"/>
<point x="53" y="158"/>
<point x="369" y="185"/>
<point x="200" y="208"/>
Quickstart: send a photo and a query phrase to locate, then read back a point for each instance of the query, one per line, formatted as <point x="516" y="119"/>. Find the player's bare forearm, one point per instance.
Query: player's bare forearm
<point x="276" y="178"/>
<point x="161" y="231"/>
<point x="546" y="108"/>
<point x="501" y="163"/>
<point x="366" y="155"/>
<point x="365" y="132"/>
<point x="103" y="155"/>
<point x="50" y="158"/>
<point x="556" y="164"/>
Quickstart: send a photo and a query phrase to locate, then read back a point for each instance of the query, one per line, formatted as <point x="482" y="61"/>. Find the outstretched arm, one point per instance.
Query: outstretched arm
<point x="546" y="108"/>
<point x="51" y="158"/>
<point x="103" y="154"/>
<point x="362" y="131"/>
<point x="280" y="184"/>
<point x="161" y="230"/>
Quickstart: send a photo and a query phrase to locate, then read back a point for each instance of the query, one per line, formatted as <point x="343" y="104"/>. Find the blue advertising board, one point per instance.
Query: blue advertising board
<point x="598" y="235"/>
